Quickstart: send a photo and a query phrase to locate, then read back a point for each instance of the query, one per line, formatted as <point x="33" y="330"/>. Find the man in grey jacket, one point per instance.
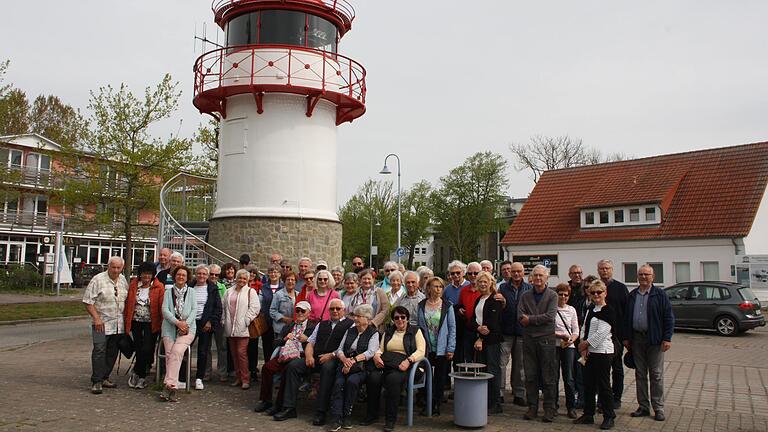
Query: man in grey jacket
<point x="536" y="312"/>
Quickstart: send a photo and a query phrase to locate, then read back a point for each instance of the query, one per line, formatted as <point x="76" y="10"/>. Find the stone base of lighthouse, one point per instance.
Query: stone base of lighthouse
<point x="293" y="238"/>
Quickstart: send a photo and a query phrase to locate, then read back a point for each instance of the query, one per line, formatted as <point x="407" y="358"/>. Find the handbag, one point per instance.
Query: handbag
<point x="291" y="350"/>
<point x="259" y="325"/>
<point x="392" y="359"/>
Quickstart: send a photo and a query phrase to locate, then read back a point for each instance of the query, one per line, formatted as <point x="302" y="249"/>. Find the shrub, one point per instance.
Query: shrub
<point x="16" y="277"/>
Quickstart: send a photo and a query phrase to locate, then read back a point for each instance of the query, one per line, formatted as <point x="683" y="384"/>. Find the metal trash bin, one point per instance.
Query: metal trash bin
<point x="470" y="395"/>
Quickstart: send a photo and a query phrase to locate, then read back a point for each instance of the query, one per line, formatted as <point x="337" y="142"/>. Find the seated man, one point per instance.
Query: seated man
<point x="290" y="346"/>
<point x="318" y="357"/>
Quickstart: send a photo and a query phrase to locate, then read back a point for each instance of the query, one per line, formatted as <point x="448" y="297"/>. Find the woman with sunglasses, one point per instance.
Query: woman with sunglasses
<point x="320" y="298"/>
<point x="291" y="338"/>
<point x="178" y="329"/>
<point x="281" y="311"/>
<point x="567" y="331"/>
<point x="486" y="322"/>
<point x="597" y="347"/>
<point x="402" y="345"/>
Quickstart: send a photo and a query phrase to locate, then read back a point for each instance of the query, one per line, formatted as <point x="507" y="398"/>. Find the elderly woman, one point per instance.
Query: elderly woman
<point x="395" y="281"/>
<point x="371" y="295"/>
<point x="281" y="311"/>
<point x="437" y="321"/>
<point x="222" y="361"/>
<point x="412" y="297"/>
<point x="597" y="347"/>
<point x="402" y="345"/>
<point x="486" y="322"/>
<point x="321" y="296"/>
<point x="338" y="275"/>
<point x="178" y="329"/>
<point x="143" y="318"/>
<point x="356" y="349"/>
<point x="268" y="338"/>
<point x="207" y="318"/>
<point x="567" y="331"/>
<point x="241" y="306"/>
<point x="350" y="291"/>
<point x="425" y="274"/>
<point x="228" y="271"/>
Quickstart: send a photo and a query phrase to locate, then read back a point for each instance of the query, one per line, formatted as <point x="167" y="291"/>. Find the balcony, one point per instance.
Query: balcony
<point x="27" y="177"/>
<point x="340" y="12"/>
<point x="260" y="69"/>
<point x="41" y="223"/>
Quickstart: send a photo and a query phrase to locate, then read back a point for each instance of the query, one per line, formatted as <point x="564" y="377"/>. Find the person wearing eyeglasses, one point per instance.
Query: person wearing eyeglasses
<point x="318" y="357"/>
<point x="104" y="300"/>
<point x="512" y="346"/>
<point x="465" y="313"/>
<point x="143" y="318"/>
<point x="207" y="319"/>
<point x="290" y="345"/>
<point x="357" y="264"/>
<point x="178" y="329"/>
<point x="355" y="351"/>
<point x="219" y="335"/>
<point x="241" y="306"/>
<point x="487" y="337"/>
<point x="577" y="299"/>
<point x="304" y="266"/>
<point x="389" y="267"/>
<point x="395" y="279"/>
<point x="321" y="296"/>
<point x="282" y="308"/>
<point x="536" y="312"/>
<point x="567" y="331"/>
<point x="308" y="287"/>
<point x="338" y="275"/>
<point x="598" y="347"/>
<point x="617" y="297"/>
<point x="351" y="285"/>
<point x="412" y="296"/>
<point x="438" y="323"/>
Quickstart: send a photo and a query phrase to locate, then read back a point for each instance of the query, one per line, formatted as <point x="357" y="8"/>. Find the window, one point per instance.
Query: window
<point x="705" y="293"/>
<point x="282" y="27"/>
<point x="710" y="270"/>
<point x="423" y="251"/>
<point x="634" y="215"/>
<point x="589" y="218"/>
<point x="618" y="216"/>
<point x="682" y="272"/>
<point x="604" y="217"/>
<point x="650" y="214"/>
<point x="658" y="272"/>
<point x="14" y="158"/>
<point x="630" y="273"/>
<point x="678" y="293"/>
<point x="38" y="162"/>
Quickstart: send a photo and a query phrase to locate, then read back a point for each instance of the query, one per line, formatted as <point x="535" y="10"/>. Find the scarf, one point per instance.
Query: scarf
<point x="179" y="295"/>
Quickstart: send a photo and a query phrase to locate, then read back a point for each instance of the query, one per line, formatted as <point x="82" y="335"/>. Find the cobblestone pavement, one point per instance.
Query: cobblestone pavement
<point x="713" y="384"/>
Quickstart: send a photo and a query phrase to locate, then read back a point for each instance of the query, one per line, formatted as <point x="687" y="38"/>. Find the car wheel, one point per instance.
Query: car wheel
<point x="726" y="325"/>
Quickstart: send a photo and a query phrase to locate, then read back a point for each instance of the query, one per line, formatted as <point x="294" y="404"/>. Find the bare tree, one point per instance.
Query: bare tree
<point x="545" y="153"/>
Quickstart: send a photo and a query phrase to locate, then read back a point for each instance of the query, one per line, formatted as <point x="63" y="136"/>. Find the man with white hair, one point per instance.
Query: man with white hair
<point x="456" y="271"/>
<point x="305" y="265"/>
<point x="104" y="300"/>
<point x="487" y="266"/>
<point x="412" y="297"/>
<point x="175" y="261"/>
<point x="163" y="260"/>
<point x="466" y="312"/>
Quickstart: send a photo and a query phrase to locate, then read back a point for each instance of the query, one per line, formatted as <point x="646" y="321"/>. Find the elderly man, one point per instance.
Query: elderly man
<point x="650" y="325"/>
<point x="487" y="266"/>
<point x="219" y="334"/>
<point x="456" y="271"/>
<point x="175" y="261"/>
<point x="466" y="312"/>
<point x="536" y="312"/>
<point x="318" y="357"/>
<point x="104" y="300"/>
<point x="305" y="265"/>
<point x="276" y="259"/>
<point x="163" y="260"/>
<point x="412" y="296"/>
<point x="357" y="264"/>
<point x="389" y="267"/>
<point x="512" y="346"/>
<point x="617" y="300"/>
<point x="577" y="299"/>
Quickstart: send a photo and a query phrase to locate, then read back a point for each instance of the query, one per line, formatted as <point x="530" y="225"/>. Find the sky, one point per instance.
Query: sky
<point x="447" y="79"/>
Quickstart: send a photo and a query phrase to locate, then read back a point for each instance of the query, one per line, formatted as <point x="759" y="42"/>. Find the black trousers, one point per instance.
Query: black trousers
<point x="267" y="344"/>
<point x="597" y="381"/>
<point x="392" y="381"/>
<point x="104" y="355"/>
<point x="204" y="340"/>
<point x="441" y="365"/>
<point x="344" y="393"/>
<point x="617" y="373"/>
<point x="294" y="373"/>
<point x="491" y="356"/>
<point x="144" y="343"/>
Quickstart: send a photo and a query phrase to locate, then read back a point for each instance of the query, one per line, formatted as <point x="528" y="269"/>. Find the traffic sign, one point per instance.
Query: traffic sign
<point x="400" y="252"/>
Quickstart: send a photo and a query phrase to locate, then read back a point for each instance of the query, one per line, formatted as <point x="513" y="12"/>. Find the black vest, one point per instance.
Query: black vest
<point x="362" y="341"/>
<point x="409" y="338"/>
<point x="328" y="340"/>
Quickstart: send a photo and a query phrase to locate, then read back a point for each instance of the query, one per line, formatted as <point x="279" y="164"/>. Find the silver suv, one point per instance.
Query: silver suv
<point x="727" y="307"/>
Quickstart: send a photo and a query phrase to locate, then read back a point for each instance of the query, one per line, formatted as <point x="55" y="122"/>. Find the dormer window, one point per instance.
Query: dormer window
<point x="613" y="217"/>
<point x="634" y="215"/>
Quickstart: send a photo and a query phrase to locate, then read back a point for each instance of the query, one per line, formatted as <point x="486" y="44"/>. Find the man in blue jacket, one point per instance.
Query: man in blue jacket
<point x="512" y="346"/>
<point x="649" y="322"/>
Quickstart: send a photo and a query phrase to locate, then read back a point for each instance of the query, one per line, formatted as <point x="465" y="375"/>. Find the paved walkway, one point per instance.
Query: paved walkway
<point x="71" y="295"/>
<point x="713" y="384"/>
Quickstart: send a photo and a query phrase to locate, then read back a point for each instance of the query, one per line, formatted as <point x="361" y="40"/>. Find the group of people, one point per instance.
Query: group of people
<point x="362" y="336"/>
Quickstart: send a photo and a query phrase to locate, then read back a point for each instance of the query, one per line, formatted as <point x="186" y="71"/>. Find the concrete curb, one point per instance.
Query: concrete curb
<point x="44" y="320"/>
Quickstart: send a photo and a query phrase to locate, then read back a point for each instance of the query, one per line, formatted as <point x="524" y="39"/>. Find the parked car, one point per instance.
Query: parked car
<point x="727" y="307"/>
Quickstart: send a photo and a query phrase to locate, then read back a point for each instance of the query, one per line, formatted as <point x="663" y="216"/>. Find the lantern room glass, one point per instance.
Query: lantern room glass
<point x="282" y="27"/>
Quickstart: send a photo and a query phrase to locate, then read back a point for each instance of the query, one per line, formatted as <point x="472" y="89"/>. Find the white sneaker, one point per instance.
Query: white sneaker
<point x="132" y="378"/>
<point x="181" y="386"/>
<point x="141" y="384"/>
<point x="199" y="384"/>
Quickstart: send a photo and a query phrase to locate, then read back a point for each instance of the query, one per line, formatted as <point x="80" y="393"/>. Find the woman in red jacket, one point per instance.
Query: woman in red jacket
<point x="143" y="319"/>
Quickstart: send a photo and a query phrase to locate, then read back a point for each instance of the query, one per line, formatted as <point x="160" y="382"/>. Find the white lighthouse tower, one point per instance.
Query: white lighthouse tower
<point x="279" y="88"/>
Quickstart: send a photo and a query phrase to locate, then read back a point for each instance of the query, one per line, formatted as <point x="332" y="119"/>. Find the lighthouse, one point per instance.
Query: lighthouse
<point x="279" y="88"/>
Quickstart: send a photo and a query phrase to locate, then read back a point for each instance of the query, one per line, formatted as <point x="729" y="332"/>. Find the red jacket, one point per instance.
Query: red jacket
<point x="156" y="294"/>
<point x="467" y="299"/>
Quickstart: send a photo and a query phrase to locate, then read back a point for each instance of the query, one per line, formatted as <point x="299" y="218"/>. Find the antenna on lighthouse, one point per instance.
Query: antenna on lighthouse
<point x="204" y="39"/>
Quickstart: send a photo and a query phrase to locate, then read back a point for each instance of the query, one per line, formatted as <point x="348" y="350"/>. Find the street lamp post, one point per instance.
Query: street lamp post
<point x="370" y="248"/>
<point x="386" y="170"/>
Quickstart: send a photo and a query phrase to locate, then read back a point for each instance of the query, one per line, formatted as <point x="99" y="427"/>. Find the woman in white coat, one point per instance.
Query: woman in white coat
<point x="241" y="306"/>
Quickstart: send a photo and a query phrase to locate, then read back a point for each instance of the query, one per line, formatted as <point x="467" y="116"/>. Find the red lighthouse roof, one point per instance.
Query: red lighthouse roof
<point x="339" y="12"/>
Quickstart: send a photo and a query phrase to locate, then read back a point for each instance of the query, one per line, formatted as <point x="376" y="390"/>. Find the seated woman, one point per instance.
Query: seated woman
<point x="402" y="345"/>
<point x="354" y="354"/>
<point x="437" y="322"/>
<point x="143" y="317"/>
<point x="290" y="345"/>
<point x="178" y="330"/>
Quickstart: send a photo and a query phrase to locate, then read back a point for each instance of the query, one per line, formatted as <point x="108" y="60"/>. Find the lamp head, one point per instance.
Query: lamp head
<point x="385" y="170"/>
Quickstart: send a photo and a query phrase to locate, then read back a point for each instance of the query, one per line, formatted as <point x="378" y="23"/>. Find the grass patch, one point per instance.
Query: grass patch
<point x="23" y="311"/>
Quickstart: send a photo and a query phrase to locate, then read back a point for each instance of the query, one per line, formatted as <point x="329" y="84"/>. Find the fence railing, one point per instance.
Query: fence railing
<point x="342" y="8"/>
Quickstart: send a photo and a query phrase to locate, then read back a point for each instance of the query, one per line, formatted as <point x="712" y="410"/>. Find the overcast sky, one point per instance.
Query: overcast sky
<point x="448" y="78"/>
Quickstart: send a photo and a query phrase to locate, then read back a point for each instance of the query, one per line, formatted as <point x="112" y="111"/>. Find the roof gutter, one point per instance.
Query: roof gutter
<point x="738" y="246"/>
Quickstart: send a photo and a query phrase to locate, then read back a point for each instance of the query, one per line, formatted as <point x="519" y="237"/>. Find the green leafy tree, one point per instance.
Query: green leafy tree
<point x="415" y="217"/>
<point x="468" y="200"/>
<point x="14" y="113"/>
<point x="373" y="209"/>
<point x="207" y="138"/>
<point x="119" y="169"/>
<point x="3" y="70"/>
<point x="57" y="121"/>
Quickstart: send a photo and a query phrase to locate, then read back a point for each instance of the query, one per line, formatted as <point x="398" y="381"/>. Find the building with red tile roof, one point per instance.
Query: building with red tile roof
<point x="688" y="214"/>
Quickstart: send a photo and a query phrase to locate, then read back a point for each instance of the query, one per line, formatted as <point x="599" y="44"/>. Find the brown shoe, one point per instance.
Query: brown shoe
<point x="572" y="413"/>
<point x="531" y="414"/>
